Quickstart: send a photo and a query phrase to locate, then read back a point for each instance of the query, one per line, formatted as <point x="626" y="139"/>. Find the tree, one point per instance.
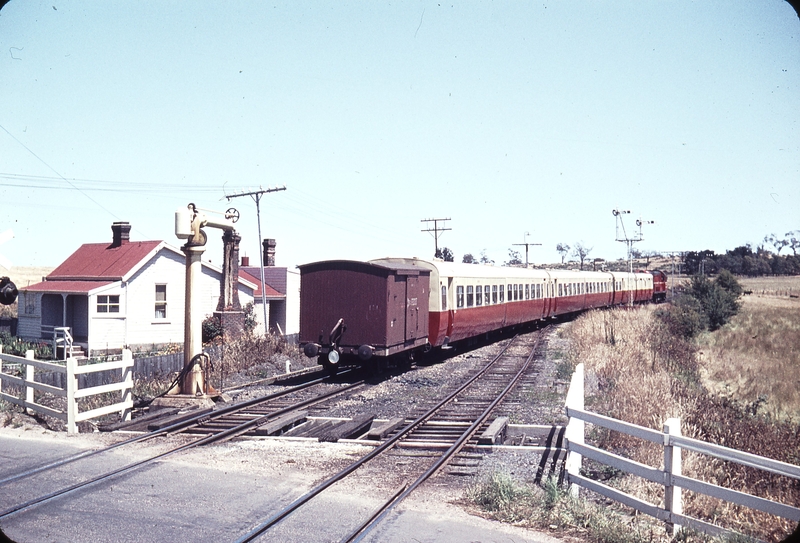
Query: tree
<point x="513" y="258"/>
<point x="485" y="259"/>
<point x="581" y="251"/>
<point x="469" y="259"/>
<point x="794" y="240"/>
<point x="445" y="254"/>
<point x="719" y="299"/>
<point x="563" y="249"/>
<point x="776" y="242"/>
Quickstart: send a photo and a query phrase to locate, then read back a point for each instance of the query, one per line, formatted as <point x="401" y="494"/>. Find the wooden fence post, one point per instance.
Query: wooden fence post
<point x="575" y="427"/>
<point x="672" y="466"/>
<point x="1" y="369"/>
<point x="72" y="402"/>
<point x="29" y="378"/>
<point x="127" y="392"/>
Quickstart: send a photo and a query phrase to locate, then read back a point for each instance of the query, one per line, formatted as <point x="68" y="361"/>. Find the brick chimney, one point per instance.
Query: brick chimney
<point x="269" y="252"/>
<point x="122" y="233"/>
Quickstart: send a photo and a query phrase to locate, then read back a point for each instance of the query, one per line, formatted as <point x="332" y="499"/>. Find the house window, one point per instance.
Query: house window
<point x="161" y="301"/>
<point x="108" y="303"/>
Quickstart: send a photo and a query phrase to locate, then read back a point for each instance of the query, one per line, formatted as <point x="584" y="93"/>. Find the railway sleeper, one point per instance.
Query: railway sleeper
<point x="348" y="429"/>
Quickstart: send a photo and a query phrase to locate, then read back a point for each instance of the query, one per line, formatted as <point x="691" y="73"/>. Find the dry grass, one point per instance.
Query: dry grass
<point x="755" y="359"/>
<point x="782" y="285"/>
<point x="637" y="373"/>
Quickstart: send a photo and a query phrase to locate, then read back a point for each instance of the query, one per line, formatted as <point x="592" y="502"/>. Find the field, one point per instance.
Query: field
<point x="782" y="286"/>
<point x="755" y="359"/>
<point x="22" y="277"/>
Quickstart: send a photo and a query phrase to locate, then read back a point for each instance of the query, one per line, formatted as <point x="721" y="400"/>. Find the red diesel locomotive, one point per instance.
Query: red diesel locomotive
<point x="404" y="305"/>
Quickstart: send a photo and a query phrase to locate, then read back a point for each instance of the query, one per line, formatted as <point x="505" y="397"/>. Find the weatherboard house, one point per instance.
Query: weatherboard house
<point x="123" y="294"/>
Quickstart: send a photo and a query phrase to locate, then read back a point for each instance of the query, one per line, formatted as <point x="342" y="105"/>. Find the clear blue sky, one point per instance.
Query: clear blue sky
<point x="507" y="117"/>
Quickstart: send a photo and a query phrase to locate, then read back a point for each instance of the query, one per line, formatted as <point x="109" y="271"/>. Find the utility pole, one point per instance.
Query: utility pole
<point x="256" y="195"/>
<point x="526" y="247"/>
<point x="436" y="230"/>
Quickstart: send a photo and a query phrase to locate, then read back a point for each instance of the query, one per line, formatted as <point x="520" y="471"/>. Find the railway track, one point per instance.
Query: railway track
<point x="252" y="417"/>
<point x="450" y="426"/>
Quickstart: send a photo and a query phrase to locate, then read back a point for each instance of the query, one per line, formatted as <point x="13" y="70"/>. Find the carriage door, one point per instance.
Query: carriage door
<point x="412" y="307"/>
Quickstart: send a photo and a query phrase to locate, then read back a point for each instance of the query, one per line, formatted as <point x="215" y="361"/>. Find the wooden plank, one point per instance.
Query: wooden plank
<point x="619" y="462"/>
<point x="32" y="384"/>
<point x="741" y="498"/>
<point x="614" y="494"/>
<point x="349" y="429"/>
<point x="101" y="389"/>
<point x="100" y="411"/>
<point x="385" y="428"/>
<point x="281" y="424"/>
<point x="740" y="457"/>
<point x="48" y="366"/>
<point x="496" y="432"/>
<point x="35" y="406"/>
<point x="104" y="366"/>
<point x="620" y="426"/>
<point x="170" y="420"/>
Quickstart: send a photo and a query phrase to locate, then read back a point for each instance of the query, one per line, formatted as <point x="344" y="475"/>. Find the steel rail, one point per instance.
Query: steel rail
<point x="173" y="428"/>
<point x="224" y="435"/>
<point x="367" y="526"/>
<point x="386" y="445"/>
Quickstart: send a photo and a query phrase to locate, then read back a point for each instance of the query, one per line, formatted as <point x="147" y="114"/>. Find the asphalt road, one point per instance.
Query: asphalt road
<point x="217" y="494"/>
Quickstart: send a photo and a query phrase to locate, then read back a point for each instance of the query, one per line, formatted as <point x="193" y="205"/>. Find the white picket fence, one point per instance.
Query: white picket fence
<point x="670" y="476"/>
<point x="28" y="384"/>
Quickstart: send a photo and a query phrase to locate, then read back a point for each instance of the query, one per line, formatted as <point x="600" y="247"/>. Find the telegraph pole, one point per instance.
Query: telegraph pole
<point x="436" y="230"/>
<point x="256" y="195"/>
<point x="526" y="247"/>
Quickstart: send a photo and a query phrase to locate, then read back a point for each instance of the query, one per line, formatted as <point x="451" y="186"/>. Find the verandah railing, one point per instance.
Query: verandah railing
<point x="27" y="385"/>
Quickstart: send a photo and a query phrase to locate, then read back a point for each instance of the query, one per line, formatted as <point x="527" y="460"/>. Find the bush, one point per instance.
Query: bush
<point x="18" y="347"/>
<point x="212" y="328"/>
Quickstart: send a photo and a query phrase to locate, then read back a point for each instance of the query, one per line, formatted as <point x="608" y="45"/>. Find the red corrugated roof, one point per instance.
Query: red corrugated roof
<point x="101" y="261"/>
<point x="269" y="292"/>
<point x="72" y="287"/>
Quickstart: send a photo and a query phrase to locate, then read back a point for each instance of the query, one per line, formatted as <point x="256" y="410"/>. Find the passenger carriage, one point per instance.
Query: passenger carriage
<point x="393" y="305"/>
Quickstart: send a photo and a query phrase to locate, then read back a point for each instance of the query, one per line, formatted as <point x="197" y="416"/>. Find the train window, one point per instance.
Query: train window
<point x="539" y="291"/>
<point x="510" y="296"/>
<point x="487" y="296"/>
<point x="560" y="286"/>
<point x="459" y="296"/>
<point x="470" y="297"/>
<point x="502" y="289"/>
<point x="516" y="293"/>
<point x="527" y="292"/>
<point x="494" y="294"/>
<point x="479" y="295"/>
<point x="444" y="298"/>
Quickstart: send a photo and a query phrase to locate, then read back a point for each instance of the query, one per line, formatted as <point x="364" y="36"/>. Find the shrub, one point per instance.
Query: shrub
<point x="212" y="328"/>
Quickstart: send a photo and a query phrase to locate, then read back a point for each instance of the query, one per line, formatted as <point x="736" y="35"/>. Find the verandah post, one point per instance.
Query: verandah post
<point x="672" y="466"/>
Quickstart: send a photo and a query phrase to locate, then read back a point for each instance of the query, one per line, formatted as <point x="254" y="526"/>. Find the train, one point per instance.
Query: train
<point x="360" y="311"/>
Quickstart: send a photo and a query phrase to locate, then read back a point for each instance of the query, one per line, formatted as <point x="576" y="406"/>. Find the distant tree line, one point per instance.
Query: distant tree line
<point x="743" y="260"/>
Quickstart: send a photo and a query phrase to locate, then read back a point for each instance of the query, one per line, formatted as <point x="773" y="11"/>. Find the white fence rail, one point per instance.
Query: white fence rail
<point x="670" y="476"/>
<point x="28" y="384"/>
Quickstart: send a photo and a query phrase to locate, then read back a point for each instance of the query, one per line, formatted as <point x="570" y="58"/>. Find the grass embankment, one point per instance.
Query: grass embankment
<point x="640" y="373"/>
